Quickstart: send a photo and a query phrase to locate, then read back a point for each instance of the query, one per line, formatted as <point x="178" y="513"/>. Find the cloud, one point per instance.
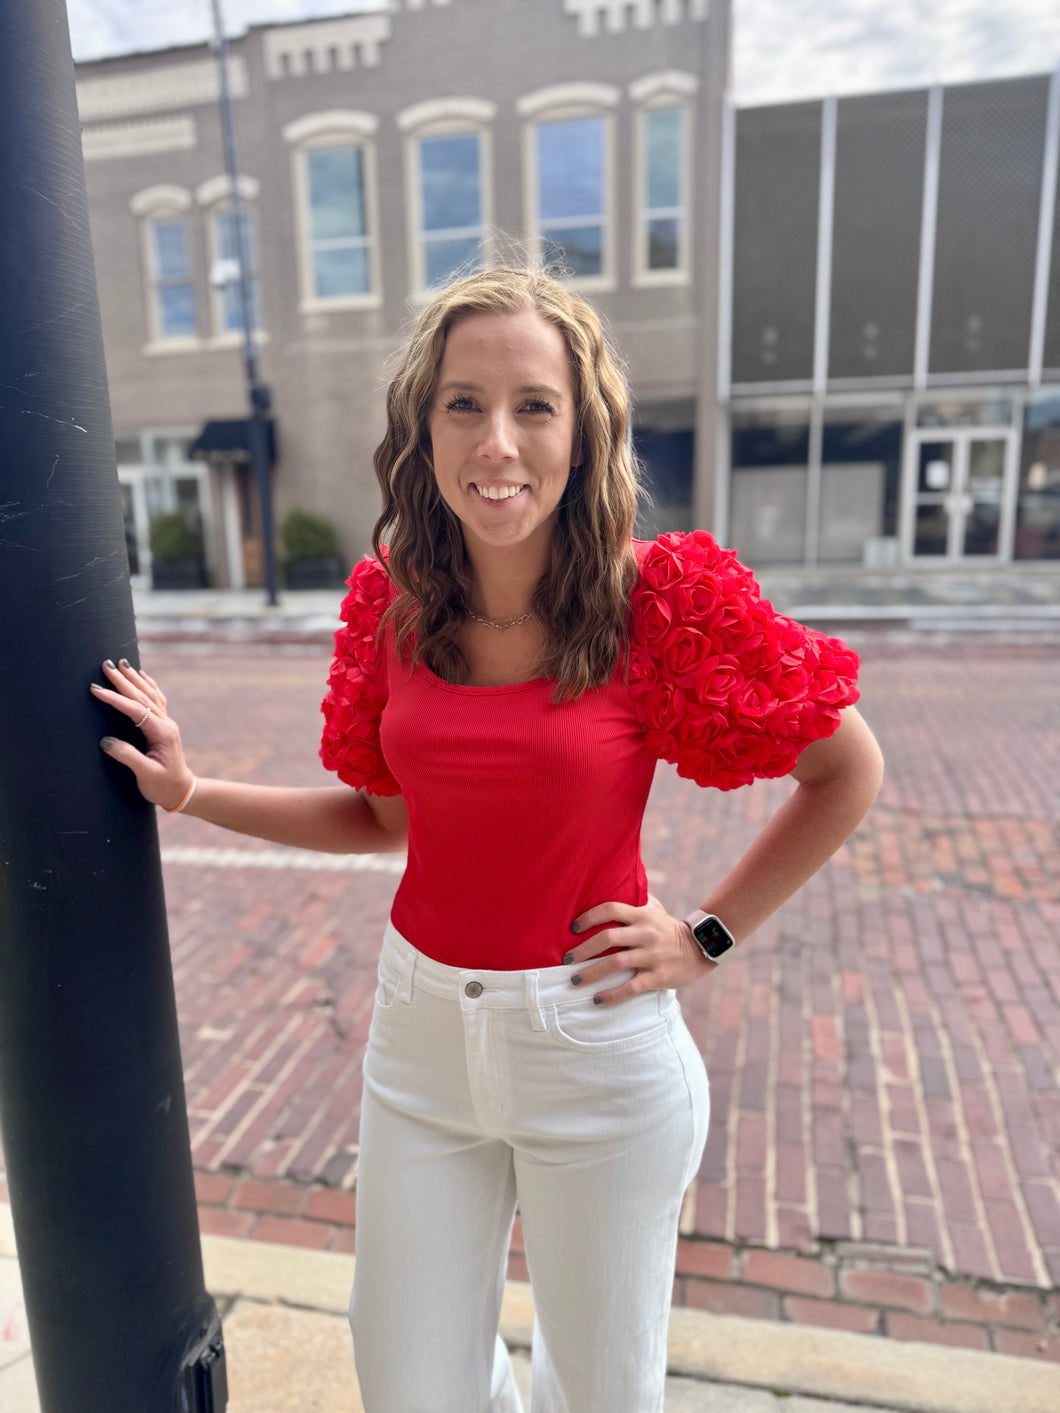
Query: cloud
<point x="785" y="49"/>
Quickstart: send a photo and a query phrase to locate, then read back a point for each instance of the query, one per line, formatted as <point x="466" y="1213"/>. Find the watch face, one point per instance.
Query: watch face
<point x="715" y="936"/>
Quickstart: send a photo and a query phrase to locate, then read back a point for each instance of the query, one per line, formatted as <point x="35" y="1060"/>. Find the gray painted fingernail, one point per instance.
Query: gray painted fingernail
<point x="107" y="743"/>
<point x="575" y="927"/>
<point x="108" y="663"/>
<point x="575" y="981"/>
<point x="568" y="957"/>
<point x="598" y="1000"/>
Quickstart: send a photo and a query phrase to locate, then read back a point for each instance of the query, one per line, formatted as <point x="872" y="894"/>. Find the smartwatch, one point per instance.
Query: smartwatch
<point x="711" y="935"/>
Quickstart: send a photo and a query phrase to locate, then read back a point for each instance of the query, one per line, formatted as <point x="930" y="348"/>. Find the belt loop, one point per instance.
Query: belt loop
<point x="533" y="1003"/>
<point x="404" y="990"/>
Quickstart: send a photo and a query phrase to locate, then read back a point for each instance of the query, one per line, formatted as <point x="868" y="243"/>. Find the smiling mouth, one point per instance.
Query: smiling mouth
<point x="498" y="492"/>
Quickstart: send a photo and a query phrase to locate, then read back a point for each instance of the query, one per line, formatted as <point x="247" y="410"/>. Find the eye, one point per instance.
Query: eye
<point x="460" y="403"/>
<point x="539" y="406"/>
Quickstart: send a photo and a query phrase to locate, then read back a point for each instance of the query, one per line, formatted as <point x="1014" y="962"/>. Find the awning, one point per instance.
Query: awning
<point x="230" y="441"/>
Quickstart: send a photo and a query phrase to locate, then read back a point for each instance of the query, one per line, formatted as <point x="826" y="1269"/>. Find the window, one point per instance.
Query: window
<point x="662" y="180"/>
<point x="170" y="267"/>
<point x="661" y="240"/>
<point x="226" y="248"/>
<point x="570" y="193"/>
<point x="450" y="206"/>
<point x="770" y="460"/>
<point x="226" y="251"/>
<point x="448" y="157"/>
<point x="334" y="183"/>
<point x="570" y="197"/>
<point x="339" y="243"/>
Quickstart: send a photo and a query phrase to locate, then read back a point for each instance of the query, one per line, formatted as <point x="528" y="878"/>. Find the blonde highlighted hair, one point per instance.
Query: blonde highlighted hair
<point x="582" y="599"/>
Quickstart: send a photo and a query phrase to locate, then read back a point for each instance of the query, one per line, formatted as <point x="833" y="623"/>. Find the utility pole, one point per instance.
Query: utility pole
<point x="259" y="396"/>
<point x="92" y="1107"/>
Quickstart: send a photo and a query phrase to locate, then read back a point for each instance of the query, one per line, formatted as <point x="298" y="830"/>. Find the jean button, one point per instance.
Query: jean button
<point x="473" y="989"/>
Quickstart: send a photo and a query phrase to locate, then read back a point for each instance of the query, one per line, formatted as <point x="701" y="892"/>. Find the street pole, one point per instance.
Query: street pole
<point x="259" y="396"/>
<point x="92" y="1108"/>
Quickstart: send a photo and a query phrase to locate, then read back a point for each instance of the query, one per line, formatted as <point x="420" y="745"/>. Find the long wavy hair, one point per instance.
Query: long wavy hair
<point x="582" y="600"/>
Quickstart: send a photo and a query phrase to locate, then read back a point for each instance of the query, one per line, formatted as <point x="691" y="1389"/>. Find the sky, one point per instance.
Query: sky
<point x="782" y="49"/>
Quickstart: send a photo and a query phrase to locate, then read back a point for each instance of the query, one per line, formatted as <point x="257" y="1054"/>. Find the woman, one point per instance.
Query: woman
<point x="510" y="669"/>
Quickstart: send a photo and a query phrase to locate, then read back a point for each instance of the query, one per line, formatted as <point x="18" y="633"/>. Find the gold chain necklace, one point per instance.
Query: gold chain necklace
<point x="501" y="623"/>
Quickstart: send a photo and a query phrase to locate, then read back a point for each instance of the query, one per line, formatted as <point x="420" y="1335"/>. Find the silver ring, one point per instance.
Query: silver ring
<point x="143" y="718"/>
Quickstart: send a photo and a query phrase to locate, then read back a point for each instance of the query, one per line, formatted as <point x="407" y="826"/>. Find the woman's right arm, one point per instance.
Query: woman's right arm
<point x="332" y="819"/>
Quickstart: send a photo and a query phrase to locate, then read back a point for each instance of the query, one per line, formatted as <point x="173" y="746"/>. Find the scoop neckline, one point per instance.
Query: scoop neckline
<point x="498" y="689"/>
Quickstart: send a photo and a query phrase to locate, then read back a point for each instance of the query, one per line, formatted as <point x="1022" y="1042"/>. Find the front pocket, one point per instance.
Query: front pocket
<point x="387" y="988"/>
<point x="634" y="1024"/>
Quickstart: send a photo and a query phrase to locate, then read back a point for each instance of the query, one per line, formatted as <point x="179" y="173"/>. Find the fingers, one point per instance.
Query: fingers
<point x="130" y="692"/>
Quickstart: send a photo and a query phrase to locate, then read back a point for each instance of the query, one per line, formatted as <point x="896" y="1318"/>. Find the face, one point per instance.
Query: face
<point x="502" y="428"/>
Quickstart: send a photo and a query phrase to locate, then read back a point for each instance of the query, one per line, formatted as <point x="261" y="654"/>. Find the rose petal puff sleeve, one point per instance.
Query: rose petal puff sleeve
<point x="357" y="686"/>
<point x="724" y="687"/>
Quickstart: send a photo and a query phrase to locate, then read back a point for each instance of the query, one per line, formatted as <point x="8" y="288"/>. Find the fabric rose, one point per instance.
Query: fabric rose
<point x="356" y="686"/>
<point x="725" y="688"/>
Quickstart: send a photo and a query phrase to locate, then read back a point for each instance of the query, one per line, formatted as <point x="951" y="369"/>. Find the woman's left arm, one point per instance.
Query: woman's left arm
<point x="838" y="780"/>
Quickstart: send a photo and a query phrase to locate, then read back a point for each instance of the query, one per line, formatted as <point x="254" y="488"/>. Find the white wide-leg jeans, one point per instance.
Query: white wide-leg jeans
<point x="483" y="1089"/>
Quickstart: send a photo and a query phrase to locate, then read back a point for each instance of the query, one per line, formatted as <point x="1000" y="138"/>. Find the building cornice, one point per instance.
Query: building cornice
<point x="149" y="90"/>
<point x="597" y="17"/>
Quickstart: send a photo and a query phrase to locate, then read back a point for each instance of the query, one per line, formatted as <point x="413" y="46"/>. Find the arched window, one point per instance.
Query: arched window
<point x="450" y="191"/>
<point x="663" y="178"/>
<point x="169" y="274"/>
<point x="569" y="147"/>
<point x="223" y="246"/>
<point x="335" y="206"/>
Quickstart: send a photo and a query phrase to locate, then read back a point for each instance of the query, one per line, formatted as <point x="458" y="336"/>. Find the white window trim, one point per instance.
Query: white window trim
<point x="662" y="99"/>
<point x="445" y="117"/>
<point x="335" y="128"/>
<point x="536" y="111"/>
<point x="157" y="341"/>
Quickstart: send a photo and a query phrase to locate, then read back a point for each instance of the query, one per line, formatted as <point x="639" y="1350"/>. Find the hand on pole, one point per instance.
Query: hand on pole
<point x="161" y="771"/>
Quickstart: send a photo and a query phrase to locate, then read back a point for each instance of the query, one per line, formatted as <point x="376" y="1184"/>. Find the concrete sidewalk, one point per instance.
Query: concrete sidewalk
<point x="288" y="1350"/>
<point x="1023" y="600"/>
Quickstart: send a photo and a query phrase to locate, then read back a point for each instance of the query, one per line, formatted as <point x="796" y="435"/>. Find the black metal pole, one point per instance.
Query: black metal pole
<point x="259" y="396"/>
<point x="92" y="1107"/>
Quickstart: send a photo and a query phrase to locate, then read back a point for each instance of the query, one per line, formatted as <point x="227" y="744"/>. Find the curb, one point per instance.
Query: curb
<point x="797" y="1359"/>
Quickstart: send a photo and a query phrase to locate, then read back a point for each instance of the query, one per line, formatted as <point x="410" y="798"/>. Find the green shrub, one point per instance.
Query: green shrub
<point x="308" y="536"/>
<point x="172" y="537"/>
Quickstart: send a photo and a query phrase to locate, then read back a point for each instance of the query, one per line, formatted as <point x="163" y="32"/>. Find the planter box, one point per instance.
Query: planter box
<point x="326" y="573"/>
<point x="178" y="574"/>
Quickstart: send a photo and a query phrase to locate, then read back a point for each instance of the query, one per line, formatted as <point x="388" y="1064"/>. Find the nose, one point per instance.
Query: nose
<point x="498" y="439"/>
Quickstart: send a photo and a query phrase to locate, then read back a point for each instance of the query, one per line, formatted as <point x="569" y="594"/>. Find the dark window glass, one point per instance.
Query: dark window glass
<point x="879" y="185"/>
<point x="861" y="456"/>
<point x="664" y="441"/>
<point x="775" y="241"/>
<point x="770" y="451"/>
<point x="1038" y="507"/>
<point x="990" y="173"/>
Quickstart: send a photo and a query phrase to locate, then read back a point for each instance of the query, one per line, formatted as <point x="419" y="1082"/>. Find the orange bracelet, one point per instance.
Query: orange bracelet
<point x="191" y="791"/>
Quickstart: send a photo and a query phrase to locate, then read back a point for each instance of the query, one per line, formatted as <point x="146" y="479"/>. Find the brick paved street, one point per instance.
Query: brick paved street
<point x="884" y="1056"/>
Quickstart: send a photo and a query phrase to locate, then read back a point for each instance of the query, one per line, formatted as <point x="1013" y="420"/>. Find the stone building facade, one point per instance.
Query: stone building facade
<point x="378" y="153"/>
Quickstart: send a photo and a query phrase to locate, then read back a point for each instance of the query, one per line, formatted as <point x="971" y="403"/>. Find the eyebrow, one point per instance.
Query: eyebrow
<point x="535" y="389"/>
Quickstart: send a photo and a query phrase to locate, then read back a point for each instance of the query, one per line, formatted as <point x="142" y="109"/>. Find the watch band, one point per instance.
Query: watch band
<point x="710" y="934"/>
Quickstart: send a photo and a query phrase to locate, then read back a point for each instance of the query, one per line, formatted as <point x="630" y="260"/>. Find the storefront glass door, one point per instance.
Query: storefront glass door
<point x="959" y="494"/>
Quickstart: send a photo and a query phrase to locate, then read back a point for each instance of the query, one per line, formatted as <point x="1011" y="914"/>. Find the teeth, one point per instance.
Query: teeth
<point x="498" y="492"/>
